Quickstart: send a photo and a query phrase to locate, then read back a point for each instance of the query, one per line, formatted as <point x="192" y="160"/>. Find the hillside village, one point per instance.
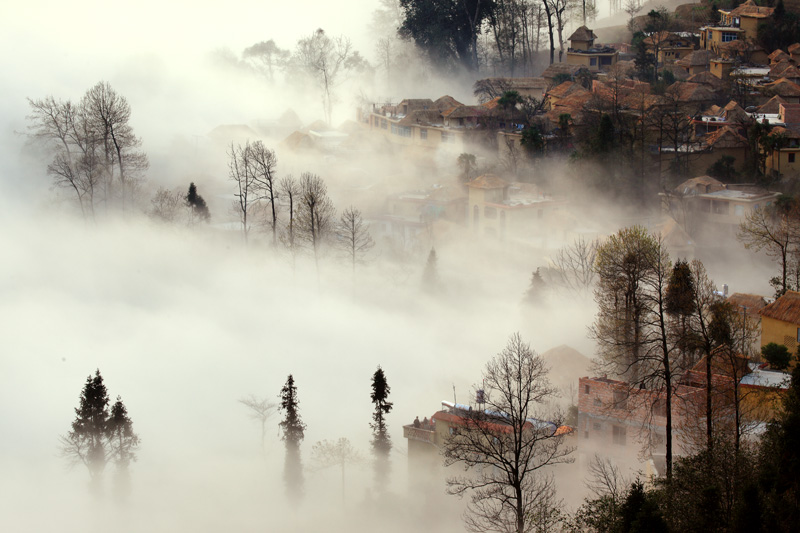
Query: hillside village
<point x="711" y="118"/>
<point x="626" y="193"/>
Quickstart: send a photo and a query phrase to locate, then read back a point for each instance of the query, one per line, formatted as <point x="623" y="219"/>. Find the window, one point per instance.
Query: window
<point x="384" y="124"/>
<point x="728" y="37"/>
<point x="660" y="408"/>
<point x="423" y="133"/>
<point x="597" y="401"/>
<point x="620" y="399"/>
<point x="619" y="435"/>
<point x="402" y="131"/>
<point x="597" y="426"/>
<point x="791" y="157"/>
<point x="489" y="212"/>
<point x="605" y="60"/>
<point x="593" y="61"/>
<point x="586" y="389"/>
<point x="447" y="137"/>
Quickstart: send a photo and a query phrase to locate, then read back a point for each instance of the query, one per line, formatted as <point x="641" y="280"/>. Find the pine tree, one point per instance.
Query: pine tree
<point x="124" y="443"/>
<point x="430" y="277"/>
<point x="196" y="204"/>
<point x="536" y="292"/>
<point x="86" y="442"/>
<point x="293" y="433"/>
<point x="381" y="442"/>
<point x="98" y="436"/>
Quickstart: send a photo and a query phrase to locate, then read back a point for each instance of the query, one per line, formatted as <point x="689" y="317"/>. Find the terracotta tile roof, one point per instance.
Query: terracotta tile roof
<point x="788" y="133"/>
<point x="733" y="112"/>
<point x="786" y="308"/>
<point x="791" y="72"/>
<point x="562" y="68"/>
<point x="566" y="89"/>
<point x="750" y="9"/>
<point x="778" y="55"/>
<point x="773" y="105"/>
<point x="706" y="78"/>
<point x="680" y="73"/>
<point x="698" y="58"/>
<point x="422" y="117"/>
<point x="582" y="34"/>
<point x="487" y="181"/>
<point x="464" y="111"/>
<point x="725" y="137"/>
<point x="778" y="67"/>
<point x="753" y="303"/>
<point x="738" y="48"/>
<point x="783" y="87"/>
<point x="699" y="185"/>
<point x="794" y="48"/>
<point x="446" y="102"/>
<point x="690" y="92"/>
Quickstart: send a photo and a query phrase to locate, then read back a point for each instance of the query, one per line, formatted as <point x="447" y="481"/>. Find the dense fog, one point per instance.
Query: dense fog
<point x="183" y="322"/>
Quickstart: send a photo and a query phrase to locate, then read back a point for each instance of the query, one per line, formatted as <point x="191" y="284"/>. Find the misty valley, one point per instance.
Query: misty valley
<point x="430" y="265"/>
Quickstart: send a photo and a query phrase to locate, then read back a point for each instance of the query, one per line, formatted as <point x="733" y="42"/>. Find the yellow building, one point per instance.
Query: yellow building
<point x="740" y="24"/>
<point x="747" y="17"/>
<point x="501" y="209"/>
<point x="780" y="321"/>
<point x="668" y="47"/>
<point x="583" y="52"/>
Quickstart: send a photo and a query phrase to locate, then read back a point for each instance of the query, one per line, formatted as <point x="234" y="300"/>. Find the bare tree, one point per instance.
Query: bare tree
<point x="165" y="204"/>
<point x="260" y="409"/>
<point x="575" y="265"/>
<point x="632" y="327"/>
<point x="505" y="444"/>
<point x="267" y="57"/>
<point x="110" y="115"/>
<point x="341" y="453"/>
<point x="315" y="213"/>
<point x="93" y="145"/>
<point x="775" y="231"/>
<point x="241" y="171"/>
<point x="323" y="58"/>
<point x="353" y="236"/>
<point x="265" y="180"/>
<point x="290" y="192"/>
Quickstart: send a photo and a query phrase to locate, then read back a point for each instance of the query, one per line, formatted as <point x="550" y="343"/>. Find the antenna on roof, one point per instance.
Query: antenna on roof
<point x="454" y="393"/>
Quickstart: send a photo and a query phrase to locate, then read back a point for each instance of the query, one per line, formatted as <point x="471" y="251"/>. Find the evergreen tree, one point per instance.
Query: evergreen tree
<point x="381" y="442"/>
<point x="196" y="204"/>
<point x="124" y="442"/>
<point x="86" y="442"/>
<point x="430" y="277"/>
<point x="536" y="292"/>
<point x="293" y="430"/>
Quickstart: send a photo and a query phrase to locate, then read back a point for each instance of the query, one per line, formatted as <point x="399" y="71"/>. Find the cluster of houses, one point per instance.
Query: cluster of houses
<point x="617" y="421"/>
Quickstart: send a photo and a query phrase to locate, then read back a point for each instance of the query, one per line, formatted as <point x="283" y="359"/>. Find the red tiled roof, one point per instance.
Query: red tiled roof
<point x="753" y="303"/>
<point x="725" y="137"/>
<point x="783" y="87"/>
<point x="582" y="34"/>
<point x="786" y="308"/>
<point x="750" y="9"/>
<point x="487" y="181"/>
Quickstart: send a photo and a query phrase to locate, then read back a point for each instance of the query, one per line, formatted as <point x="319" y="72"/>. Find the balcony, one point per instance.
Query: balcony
<point x="423" y="435"/>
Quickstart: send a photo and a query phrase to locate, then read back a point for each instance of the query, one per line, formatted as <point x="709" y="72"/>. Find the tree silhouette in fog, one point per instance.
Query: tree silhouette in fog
<point x="98" y="436"/>
<point x="381" y="442"/>
<point x="430" y="277"/>
<point x="293" y="432"/>
<point x="197" y="205"/>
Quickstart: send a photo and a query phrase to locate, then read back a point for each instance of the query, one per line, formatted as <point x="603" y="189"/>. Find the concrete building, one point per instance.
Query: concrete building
<point x="583" y="52"/>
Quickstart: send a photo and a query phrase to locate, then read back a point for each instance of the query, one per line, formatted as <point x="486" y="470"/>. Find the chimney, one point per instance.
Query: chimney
<point x="790" y="114"/>
<point x="725" y="290"/>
